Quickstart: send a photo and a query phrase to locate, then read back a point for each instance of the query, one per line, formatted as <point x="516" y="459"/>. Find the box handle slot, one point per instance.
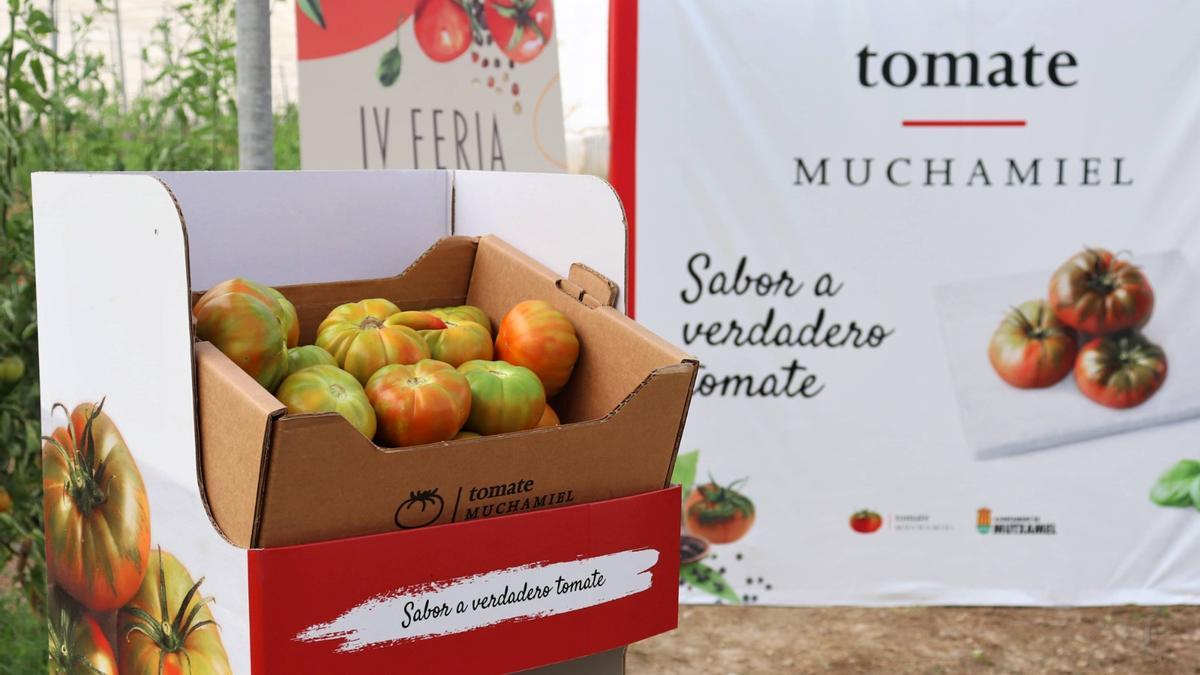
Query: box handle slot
<point x="589" y="287"/>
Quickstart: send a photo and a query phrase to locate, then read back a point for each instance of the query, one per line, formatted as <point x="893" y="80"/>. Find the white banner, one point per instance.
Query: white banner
<point x="935" y="259"/>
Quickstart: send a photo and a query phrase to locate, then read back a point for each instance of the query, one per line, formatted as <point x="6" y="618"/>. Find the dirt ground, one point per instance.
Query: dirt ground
<point x="1126" y="640"/>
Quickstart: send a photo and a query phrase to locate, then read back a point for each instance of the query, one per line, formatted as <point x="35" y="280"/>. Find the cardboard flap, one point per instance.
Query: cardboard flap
<point x="590" y="287"/>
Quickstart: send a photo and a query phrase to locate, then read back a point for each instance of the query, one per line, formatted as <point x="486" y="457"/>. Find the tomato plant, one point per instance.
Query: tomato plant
<point x="535" y="335"/>
<point x="459" y="342"/>
<point x="325" y="388"/>
<point x="522" y="28"/>
<point x="76" y="642"/>
<point x="443" y="29"/>
<point x="97" y="517"/>
<point x="1120" y="371"/>
<point x="300" y="358"/>
<point x="1031" y="347"/>
<point x="865" y="521"/>
<point x="504" y="397"/>
<point x="245" y="321"/>
<point x="364" y="337"/>
<point x="720" y="514"/>
<point x="422" y="508"/>
<point x="421" y="403"/>
<point x="167" y="628"/>
<point x="1097" y="292"/>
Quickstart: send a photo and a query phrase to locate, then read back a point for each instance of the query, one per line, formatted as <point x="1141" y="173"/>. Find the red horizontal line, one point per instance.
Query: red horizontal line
<point x="963" y="123"/>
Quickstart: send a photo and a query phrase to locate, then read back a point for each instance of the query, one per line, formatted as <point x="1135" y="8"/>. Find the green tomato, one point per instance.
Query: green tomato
<point x="328" y="389"/>
<point x="300" y="358"/>
<point x="504" y="397"/>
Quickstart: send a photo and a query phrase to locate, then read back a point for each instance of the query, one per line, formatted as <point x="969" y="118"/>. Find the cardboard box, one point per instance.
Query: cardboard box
<point x="291" y="520"/>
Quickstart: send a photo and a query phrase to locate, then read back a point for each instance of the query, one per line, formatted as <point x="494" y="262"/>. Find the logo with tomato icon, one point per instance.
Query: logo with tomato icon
<point x="423" y="507"/>
<point x="866" y="521"/>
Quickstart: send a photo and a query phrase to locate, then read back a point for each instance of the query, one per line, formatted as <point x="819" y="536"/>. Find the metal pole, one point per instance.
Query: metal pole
<point x="256" y="125"/>
<point x="120" y="54"/>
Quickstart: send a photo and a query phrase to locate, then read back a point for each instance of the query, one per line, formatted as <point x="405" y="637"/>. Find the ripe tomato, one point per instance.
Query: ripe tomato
<point x="504" y="397"/>
<point x="1096" y="292"/>
<point x="97" y="519"/>
<point x="1120" y="371"/>
<point x="865" y="522"/>
<point x="522" y="28"/>
<point x="77" y="643"/>
<point x="549" y="418"/>
<point x="459" y="342"/>
<point x="418" y="321"/>
<point x="363" y="337"/>
<point x="535" y="335"/>
<point x="328" y="389"/>
<point x="300" y="358"/>
<point x="341" y="27"/>
<point x="443" y="29"/>
<point x="422" y="403"/>
<point x="1031" y="347"/>
<point x="463" y="313"/>
<point x="246" y="322"/>
<point x="720" y="514"/>
<point x="167" y="628"/>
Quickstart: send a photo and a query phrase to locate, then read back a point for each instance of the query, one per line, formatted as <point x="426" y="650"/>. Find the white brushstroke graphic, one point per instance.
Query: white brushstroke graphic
<point x="466" y="603"/>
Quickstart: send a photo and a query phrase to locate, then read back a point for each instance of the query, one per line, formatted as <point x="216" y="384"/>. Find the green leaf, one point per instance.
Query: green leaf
<point x="684" y="473"/>
<point x="1194" y="491"/>
<point x="1175" y="486"/>
<point x="312" y="9"/>
<point x="389" y="67"/>
<point x="38" y="74"/>
<point x="706" y="579"/>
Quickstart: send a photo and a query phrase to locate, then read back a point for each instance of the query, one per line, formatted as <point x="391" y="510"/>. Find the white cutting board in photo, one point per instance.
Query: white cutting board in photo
<point x="1000" y="420"/>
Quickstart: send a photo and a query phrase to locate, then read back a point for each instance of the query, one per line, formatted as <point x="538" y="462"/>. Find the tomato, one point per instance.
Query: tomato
<point x="720" y="514"/>
<point x="504" y="397"/>
<point x="96" y="516"/>
<point x="865" y="522"/>
<point x="418" y="320"/>
<point x="522" y="28"/>
<point x="340" y="27"/>
<point x="459" y="342"/>
<point x="77" y="645"/>
<point x="1120" y="371"/>
<point x="1096" y="292"/>
<point x="245" y="321"/>
<point x="535" y="335"/>
<point x="443" y="29"/>
<point x="549" y="418"/>
<point x="12" y="369"/>
<point x="466" y="434"/>
<point x="422" y="403"/>
<point x="1031" y="347"/>
<point x="168" y="627"/>
<point x="363" y="337"/>
<point x="300" y="358"/>
<point x="6" y="502"/>
<point x="463" y="313"/>
<point x="287" y="317"/>
<point x="328" y="389"/>
<point x="421" y="508"/>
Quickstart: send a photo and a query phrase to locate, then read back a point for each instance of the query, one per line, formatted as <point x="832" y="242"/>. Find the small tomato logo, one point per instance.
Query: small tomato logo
<point x="866" y="521"/>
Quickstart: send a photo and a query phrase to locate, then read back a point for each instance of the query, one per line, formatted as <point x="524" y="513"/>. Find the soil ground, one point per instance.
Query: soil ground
<point x="1126" y="640"/>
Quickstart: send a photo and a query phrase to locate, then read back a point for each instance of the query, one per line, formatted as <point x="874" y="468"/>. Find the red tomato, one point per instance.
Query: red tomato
<point x="522" y="28"/>
<point x="443" y="29"/>
<point x="348" y="26"/>
<point x="77" y="643"/>
<point x="1120" y="371"/>
<point x="97" y="518"/>
<point x="247" y="323"/>
<point x="1096" y="292"/>
<point x="422" y="403"/>
<point x="720" y="514"/>
<point x="1031" y="347"/>
<point x="535" y="335"/>
<point x="865" y="522"/>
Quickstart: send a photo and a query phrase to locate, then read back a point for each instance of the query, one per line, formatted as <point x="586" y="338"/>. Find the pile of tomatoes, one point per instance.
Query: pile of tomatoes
<point x="1092" y="324"/>
<point x="401" y="377"/>
<point x="101" y="567"/>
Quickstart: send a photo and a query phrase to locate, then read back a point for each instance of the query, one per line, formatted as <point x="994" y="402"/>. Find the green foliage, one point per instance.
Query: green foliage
<point x="22" y="636"/>
<point x="61" y="112"/>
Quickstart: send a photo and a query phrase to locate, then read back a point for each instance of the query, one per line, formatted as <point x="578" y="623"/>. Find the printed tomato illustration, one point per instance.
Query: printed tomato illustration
<point x="328" y="389"/>
<point x="418" y="320"/>
<point x="76" y="642"/>
<point x="459" y="342"/>
<point x="1031" y="347"/>
<point x="421" y="403"/>
<point x="1096" y="292"/>
<point x="720" y="514"/>
<point x="300" y="358"/>
<point x="363" y="337"/>
<point x="1120" y="371"/>
<point x="167" y="627"/>
<point x="443" y="29"/>
<point x="331" y="28"/>
<point x="535" y="335"/>
<point x="504" y="397"/>
<point x="549" y="418"/>
<point x="245" y="321"/>
<point x="97" y="519"/>
<point x="865" y="521"/>
<point x="522" y="28"/>
<point x="423" y="507"/>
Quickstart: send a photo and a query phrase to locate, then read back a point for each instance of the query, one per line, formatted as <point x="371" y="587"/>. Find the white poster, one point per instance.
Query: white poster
<point x="941" y="265"/>
<point x="435" y="84"/>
